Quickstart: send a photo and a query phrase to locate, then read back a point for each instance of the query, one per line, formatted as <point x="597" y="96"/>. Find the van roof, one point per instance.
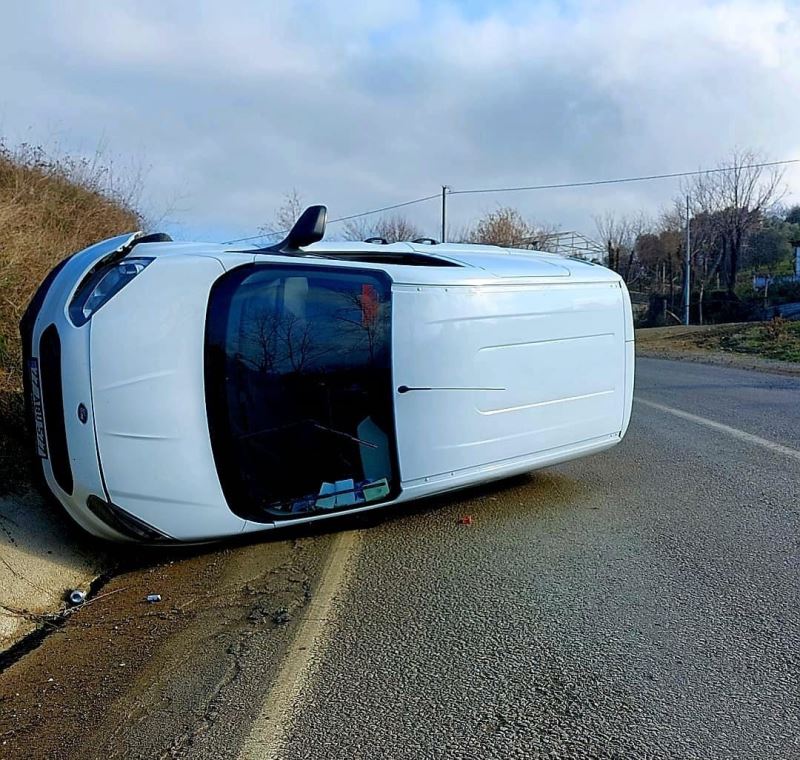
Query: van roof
<point x="418" y="263"/>
<point x="491" y="260"/>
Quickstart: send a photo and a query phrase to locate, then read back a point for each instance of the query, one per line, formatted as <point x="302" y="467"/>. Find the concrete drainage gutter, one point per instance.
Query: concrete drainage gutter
<point x="42" y="556"/>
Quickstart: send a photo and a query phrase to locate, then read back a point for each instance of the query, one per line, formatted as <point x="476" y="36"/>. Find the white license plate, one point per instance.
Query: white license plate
<point x="36" y="404"/>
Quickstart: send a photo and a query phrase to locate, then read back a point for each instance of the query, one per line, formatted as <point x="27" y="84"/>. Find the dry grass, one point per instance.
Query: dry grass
<point x="49" y="208"/>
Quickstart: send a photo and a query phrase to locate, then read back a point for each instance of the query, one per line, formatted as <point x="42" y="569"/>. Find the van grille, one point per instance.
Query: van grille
<point x="53" y="403"/>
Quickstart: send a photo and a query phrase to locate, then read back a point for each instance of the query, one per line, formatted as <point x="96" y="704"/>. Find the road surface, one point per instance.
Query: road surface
<point x="642" y="603"/>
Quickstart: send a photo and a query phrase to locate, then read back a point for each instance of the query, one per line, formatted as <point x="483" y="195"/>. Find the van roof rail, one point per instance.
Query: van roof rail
<point x="426" y="240"/>
<point x="378" y="240"/>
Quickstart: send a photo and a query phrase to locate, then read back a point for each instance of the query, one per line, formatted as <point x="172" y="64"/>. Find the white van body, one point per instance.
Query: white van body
<point x="500" y="362"/>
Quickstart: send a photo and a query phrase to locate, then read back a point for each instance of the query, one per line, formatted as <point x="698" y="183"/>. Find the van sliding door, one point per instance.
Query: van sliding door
<point x="495" y="374"/>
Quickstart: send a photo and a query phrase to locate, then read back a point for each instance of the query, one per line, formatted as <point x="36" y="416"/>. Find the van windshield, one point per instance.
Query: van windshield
<point x="299" y="389"/>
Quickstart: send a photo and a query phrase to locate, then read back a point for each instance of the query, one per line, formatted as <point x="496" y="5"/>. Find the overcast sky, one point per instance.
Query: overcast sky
<point x="362" y="103"/>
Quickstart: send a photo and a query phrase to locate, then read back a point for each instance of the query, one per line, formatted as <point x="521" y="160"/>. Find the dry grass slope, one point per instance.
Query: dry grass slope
<point x="49" y="208"/>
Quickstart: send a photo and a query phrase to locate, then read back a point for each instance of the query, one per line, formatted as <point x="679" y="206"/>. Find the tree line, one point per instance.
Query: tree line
<point x="736" y="221"/>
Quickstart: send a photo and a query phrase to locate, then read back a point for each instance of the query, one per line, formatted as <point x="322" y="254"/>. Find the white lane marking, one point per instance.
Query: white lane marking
<point x="269" y="731"/>
<point x="735" y="432"/>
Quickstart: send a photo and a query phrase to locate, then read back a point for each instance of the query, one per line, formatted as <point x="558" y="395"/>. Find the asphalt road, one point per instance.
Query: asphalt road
<point x="639" y="604"/>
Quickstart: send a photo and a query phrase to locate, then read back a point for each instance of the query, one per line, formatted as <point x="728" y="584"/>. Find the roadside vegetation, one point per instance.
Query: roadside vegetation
<point x="742" y="258"/>
<point x="777" y="339"/>
<point x="50" y="206"/>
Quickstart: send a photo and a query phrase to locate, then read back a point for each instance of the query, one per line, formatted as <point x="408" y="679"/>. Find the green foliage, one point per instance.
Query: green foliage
<point x="784" y="292"/>
<point x="777" y="339"/>
<point x="768" y="248"/>
<point x="792" y="216"/>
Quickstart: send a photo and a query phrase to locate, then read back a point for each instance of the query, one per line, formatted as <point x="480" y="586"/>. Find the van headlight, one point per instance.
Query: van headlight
<point x="102" y="284"/>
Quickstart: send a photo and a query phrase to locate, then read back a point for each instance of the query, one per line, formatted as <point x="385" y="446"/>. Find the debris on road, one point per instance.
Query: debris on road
<point x="281" y="616"/>
<point x="465" y="520"/>
<point x="152" y="598"/>
<point x="76" y="596"/>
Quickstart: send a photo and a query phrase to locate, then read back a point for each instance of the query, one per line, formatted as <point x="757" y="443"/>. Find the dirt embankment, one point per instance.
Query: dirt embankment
<point x="763" y="346"/>
<point x="43" y="554"/>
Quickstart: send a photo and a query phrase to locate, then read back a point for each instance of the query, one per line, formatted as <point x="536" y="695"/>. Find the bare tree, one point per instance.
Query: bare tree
<point x="278" y="340"/>
<point x="727" y="206"/>
<point x="295" y="335"/>
<point x="619" y="236"/>
<point x="393" y="229"/>
<point x="396" y="228"/>
<point x="651" y="255"/>
<point x="506" y="227"/>
<point x="264" y="334"/>
<point x="672" y="237"/>
<point x="286" y="214"/>
<point x="357" y="229"/>
<point x="362" y="318"/>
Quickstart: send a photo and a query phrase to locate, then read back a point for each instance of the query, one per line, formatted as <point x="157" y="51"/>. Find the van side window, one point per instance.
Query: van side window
<point x="299" y="391"/>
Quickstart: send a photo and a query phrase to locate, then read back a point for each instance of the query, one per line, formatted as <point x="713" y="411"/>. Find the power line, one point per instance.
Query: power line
<point x="620" y="180"/>
<point x="385" y="208"/>
<point x="554" y="186"/>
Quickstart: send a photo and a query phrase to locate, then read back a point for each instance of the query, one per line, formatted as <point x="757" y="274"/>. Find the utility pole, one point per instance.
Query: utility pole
<point x="445" y="188"/>
<point x="687" y="285"/>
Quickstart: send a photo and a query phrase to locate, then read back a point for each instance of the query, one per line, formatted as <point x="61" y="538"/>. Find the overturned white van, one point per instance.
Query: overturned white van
<point x="190" y="391"/>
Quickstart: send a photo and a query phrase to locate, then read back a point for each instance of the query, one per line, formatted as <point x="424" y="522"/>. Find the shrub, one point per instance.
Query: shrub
<point x="776" y="329"/>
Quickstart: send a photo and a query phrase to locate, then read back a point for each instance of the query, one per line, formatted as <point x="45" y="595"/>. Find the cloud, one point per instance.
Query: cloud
<point x="360" y="105"/>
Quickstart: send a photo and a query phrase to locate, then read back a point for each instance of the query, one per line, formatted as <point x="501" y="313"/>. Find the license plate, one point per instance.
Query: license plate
<point x="36" y="404"/>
